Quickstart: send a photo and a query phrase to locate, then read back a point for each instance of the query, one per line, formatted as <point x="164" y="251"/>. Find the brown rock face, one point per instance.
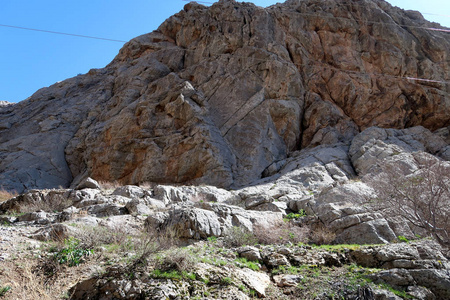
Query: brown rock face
<point x="217" y="94"/>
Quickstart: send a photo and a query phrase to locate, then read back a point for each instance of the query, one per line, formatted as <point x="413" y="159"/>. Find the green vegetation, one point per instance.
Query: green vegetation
<point x="237" y="236"/>
<point x="339" y="247"/>
<point x="292" y="216"/>
<point x="212" y="239"/>
<point x="243" y="262"/>
<point x="4" y="290"/>
<point x="402" y="238"/>
<point x="226" y="281"/>
<point x="72" y="254"/>
<point x="172" y="274"/>
<point x="401" y="294"/>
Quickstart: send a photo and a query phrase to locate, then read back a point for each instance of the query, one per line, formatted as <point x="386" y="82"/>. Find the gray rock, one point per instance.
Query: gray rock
<point x="374" y="144"/>
<point x="54" y="232"/>
<point x="254" y="280"/>
<point x="138" y="207"/>
<point x="421" y="293"/>
<point x="438" y="281"/>
<point x="39" y="217"/>
<point x="106" y="210"/>
<point x="273" y="260"/>
<point x="131" y="191"/>
<point x="214" y="219"/>
<point x="88" y="183"/>
<point x="396" y="277"/>
<point x="200" y="104"/>
<point x="287" y="280"/>
<point x="250" y="253"/>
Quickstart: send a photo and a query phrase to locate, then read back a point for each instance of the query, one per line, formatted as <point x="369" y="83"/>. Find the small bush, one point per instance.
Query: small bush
<point x="72" y="254"/>
<point x="321" y="235"/>
<point x="237" y="236"/>
<point x="281" y="233"/>
<point x="298" y="215"/>
<point x="178" y="259"/>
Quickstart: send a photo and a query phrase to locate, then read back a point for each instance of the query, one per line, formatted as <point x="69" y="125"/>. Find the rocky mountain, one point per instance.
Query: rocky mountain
<point x="238" y="152"/>
<point x="223" y="95"/>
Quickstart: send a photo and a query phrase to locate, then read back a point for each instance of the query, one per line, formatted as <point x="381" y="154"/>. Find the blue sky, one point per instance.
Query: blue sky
<point x="30" y="60"/>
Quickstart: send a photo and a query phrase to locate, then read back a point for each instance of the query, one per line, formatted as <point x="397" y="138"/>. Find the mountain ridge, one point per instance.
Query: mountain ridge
<point x="219" y="94"/>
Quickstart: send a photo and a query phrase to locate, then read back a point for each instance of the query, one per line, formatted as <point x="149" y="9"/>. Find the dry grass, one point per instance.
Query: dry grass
<point x="282" y="233"/>
<point x="109" y="185"/>
<point x="6" y="195"/>
<point x="28" y="282"/>
<point x="321" y="235"/>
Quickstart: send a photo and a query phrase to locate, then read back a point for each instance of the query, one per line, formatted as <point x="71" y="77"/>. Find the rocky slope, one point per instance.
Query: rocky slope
<point x="228" y="126"/>
<point x="222" y="95"/>
<point x="130" y="242"/>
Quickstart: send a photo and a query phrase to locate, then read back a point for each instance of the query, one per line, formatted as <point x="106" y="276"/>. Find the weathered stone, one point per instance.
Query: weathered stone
<point x="88" y="183"/>
<point x="254" y="280"/>
<point x="273" y="260"/>
<point x="137" y="207"/>
<point x="287" y="280"/>
<point x="250" y="253"/>
<point x="214" y="219"/>
<point x="130" y="191"/>
<point x="438" y="281"/>
<point x="106" y="210"/>
<point x="54" y="232"/>
<point x="223" y="94"/>
<point x="374" y="144"/>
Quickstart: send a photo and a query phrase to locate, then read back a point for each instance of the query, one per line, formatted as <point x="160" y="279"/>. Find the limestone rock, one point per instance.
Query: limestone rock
<point x="130" y="191"/>
<point x="211" y="219"/>
<point x="376" y="144"/>
<point x="250" y="253"/>
<point x="88" y="183"/>
<point x="224" y="94"/>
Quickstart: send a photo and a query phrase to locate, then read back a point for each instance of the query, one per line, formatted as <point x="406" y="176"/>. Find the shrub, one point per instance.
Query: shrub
<point x="281" y="233"/>
<point x="72" y="253"/>
<point x="178" y="259"/>
<point x="320" y="235"/>
<point x="422" y="197"/>
<point x="238" y="236"/>
<point x="291" y="216"/>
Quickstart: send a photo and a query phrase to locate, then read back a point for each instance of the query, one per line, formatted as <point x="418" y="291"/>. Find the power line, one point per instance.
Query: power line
<point x="366" y="22"/>
<point x="309" y="14"/>
<point x="63" y="33"/>
<point x="325" y="65"/>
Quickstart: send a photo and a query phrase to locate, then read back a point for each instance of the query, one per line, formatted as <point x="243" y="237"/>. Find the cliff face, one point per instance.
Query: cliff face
<point x="220" y="94"/>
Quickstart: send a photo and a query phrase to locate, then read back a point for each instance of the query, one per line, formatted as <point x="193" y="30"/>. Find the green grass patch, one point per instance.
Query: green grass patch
<point x="291" y="216"/>
<point x="172" y="274"/>
<point x="401" y="294"/>
<point x="72" y="254"/>
<point x="243" y="262"/>
<point x="4" y="290"/>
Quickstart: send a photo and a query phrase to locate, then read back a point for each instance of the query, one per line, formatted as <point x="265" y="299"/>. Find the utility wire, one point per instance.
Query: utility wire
<point x="309" y="14"/>
<point x="327" y="66"/>
<point x="63" y="33"/>
<point x="366" y="22"/>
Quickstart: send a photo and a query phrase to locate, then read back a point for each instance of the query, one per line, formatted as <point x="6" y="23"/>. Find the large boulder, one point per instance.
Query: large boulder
<point x="210" y="219"/>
